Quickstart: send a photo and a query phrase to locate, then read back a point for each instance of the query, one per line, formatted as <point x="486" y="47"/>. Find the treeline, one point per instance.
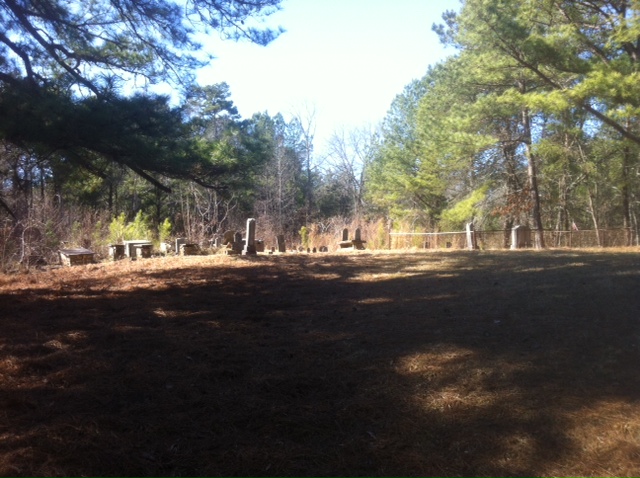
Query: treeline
<point x="534" y="121"/>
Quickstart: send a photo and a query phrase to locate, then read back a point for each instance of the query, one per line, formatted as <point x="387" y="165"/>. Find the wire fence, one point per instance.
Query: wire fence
<point x="501" y="239"/>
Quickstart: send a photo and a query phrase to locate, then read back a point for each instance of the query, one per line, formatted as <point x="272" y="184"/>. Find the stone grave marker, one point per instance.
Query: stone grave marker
<point x="116" y="251"/>
<point x="520" y="237"/>
<point x="130" y="247"/>
<point x="472" y="242"/>
<point x="358" y="243"/>
<point x="236" y="248"/>
<point x="228" y="237"/>
<point x="179" y="242"/>
<point x="165" y="248"/>
<point x="250" y="242"/>
<point x="72" y="257"/>
<point x="345" y="242"/>
<point x="281" y="245"/>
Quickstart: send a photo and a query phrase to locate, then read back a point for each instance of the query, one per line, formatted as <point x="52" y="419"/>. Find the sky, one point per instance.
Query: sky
<point x="344" y="59"/>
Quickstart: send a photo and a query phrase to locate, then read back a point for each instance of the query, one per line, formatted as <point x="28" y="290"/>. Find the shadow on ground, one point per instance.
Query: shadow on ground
<point x="489" y="364"/>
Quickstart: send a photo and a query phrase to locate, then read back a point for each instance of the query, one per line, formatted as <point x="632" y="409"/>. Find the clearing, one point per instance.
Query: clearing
<point x="359" y="363"/>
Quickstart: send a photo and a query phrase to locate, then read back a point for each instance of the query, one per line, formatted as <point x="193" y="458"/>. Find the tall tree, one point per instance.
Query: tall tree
<point x="349" y="155"/>
<point x="395" y="155"/>
<point x="96" y="45"/>
<point x="70" y="73"/>
<point x="280" y="185"/>
<point x="306" y="118"/>
<point x="481" y="30"/>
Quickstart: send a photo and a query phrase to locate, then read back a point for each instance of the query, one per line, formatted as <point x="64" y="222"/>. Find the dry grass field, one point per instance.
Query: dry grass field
<point x="415" y="363"/>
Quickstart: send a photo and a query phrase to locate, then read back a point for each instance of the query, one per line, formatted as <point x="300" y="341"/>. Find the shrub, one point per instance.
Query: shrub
<point x="117" y="229"/>
<point x="164" y="230"/>
<point x="138" y="228"/>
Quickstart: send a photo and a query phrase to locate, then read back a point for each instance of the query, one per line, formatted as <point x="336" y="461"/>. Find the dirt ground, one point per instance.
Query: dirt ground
<point x="416" y="363"/>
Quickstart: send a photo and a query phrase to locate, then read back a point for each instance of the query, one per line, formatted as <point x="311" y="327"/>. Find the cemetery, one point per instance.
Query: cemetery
<point x="314" y="287"/>
<point x="231" y="243"/>
<point x="246" y="243"/>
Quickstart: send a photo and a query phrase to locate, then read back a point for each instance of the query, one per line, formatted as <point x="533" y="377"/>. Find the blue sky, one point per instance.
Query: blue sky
<point x="347" y="59"/>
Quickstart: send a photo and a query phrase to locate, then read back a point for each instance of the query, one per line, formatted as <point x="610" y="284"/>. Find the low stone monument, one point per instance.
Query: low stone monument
<point x="355" y="243"/>
<point x="116" y="251"/>
<point x="179" y="242"/>
<point x="236" y="245"/>
<point x="131" y="247"/>
<point x="72" y="257"/>
<point x="142" y="251"/>
<point x="345" y="242"/>
<point x="228" y="237"/>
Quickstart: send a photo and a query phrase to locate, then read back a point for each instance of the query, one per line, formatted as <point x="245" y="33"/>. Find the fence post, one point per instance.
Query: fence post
<point x="471" y="237"/>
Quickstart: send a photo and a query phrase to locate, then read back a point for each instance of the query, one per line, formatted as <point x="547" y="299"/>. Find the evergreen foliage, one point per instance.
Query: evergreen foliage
<point x="540" y="102"/>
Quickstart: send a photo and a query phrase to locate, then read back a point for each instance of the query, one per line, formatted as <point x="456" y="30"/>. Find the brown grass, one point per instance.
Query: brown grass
<point x="441" y="363"/>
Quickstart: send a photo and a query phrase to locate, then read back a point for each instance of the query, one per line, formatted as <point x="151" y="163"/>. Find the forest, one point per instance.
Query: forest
<point x="532" y="120"/>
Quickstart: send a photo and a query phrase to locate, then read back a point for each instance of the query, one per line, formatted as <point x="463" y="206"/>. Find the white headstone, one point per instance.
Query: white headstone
<point x="250" y="243"/>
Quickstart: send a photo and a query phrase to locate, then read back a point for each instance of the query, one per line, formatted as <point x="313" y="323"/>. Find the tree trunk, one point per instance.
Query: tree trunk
<point x="626" y="210"/>
<point x="594" y="216"/>
<point x="513" y="185"/>
<point x="533" y="182"/>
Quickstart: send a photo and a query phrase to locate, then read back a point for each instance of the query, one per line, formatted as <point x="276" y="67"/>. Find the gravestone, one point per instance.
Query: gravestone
<point x="130" y="247"/>
<point x="314" y="250"/>
<point x="250" y="243"/>
<point x="165" y="248"/>
<point x="236" y="247"/>
<point x="520" y="237"/>
<point x="142" y="251"/>
<point x="116" y="251"/>
<point x="228" y="237"/>
<point x="179" y="242"/>
<point x="345" y="242"/>
<point x="472" y="243"/>
<point x="217" y="242"/>
<point x="72" y="257"/>
<point x="281" y="245"/>
<point x="358" y="243"/>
